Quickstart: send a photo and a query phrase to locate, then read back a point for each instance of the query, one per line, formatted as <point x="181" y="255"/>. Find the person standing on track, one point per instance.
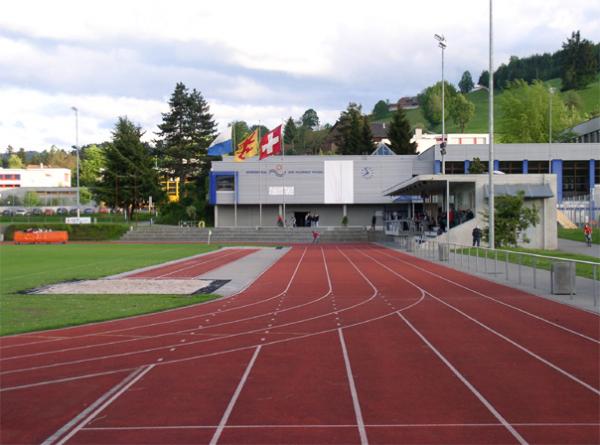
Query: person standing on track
<point x="587" y="233"/>
<point x="315" y="236"/>
<point x="476" y="236"/>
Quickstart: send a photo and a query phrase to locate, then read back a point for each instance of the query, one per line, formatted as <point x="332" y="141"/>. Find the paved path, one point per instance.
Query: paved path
<point x="567" y="245"/>
<point x="524" y="278"/>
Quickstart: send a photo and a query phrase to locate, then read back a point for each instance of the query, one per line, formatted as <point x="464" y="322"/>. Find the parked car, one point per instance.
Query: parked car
<point x="88" y="211"/>
<point x="62" y="211"/>
<point x="20" y="212"/>
<point x="37" y="212"/>
<point x="104" y="210"/>
<point x="73" y="211"/>
<point x="49" y="212"/>
<point x="8" y="212"/>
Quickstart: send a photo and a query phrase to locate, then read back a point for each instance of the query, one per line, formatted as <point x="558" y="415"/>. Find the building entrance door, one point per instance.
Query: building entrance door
<point x="300" y="219"/>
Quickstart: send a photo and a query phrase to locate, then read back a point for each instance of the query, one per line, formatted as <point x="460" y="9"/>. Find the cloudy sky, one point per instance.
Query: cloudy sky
<point x="255" y="61"/>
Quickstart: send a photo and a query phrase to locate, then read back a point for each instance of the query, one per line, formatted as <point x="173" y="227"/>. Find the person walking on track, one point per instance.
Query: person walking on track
<point x="587" y="233"/>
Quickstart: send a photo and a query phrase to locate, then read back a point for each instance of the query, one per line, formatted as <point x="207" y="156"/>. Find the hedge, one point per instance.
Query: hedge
<point x="77" y="232"/>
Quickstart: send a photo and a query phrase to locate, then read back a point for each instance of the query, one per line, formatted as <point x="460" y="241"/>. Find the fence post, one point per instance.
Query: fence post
<point x="519" y="268"/>
<point x="476" y="258"/>
<point x="574" y="275"/>
<point x="534" y="272"/>
<point x="506" y="264"/>
<point x="595" y="273"/>
<point x="496" y="262"/>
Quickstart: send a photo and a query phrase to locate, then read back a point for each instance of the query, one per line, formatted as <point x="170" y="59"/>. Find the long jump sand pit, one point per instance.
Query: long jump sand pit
<point x="124" y="286"/>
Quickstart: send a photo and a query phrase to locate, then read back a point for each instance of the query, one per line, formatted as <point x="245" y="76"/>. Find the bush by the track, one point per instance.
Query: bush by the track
<point x="77" y="232"/>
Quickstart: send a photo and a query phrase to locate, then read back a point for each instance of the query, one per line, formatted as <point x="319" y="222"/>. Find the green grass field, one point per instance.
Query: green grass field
<point x="582" y="270"/>
<point x="28" y="266"/>
<point x="577" y="235"/>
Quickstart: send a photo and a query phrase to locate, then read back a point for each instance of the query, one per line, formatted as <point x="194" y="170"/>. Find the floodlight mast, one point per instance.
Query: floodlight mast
<point x="491" y="208"/>
<point x="442" y="44"/>
<point x="77" y="151"/>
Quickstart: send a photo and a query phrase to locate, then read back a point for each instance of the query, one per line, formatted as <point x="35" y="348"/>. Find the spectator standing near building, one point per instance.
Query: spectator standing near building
<point x="316" y="219"/>
<point x="476" y="236"/>
<point x="308" y="220"/>
<point x="587" y="234"/>
<point x="373" y="221"/>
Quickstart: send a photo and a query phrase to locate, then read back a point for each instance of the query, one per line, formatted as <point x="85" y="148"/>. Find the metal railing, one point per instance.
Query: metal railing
<point x="525" y="269"/>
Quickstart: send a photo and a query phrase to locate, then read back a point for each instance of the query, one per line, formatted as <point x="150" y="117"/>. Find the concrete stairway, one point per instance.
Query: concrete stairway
<point x="267" y="235"/>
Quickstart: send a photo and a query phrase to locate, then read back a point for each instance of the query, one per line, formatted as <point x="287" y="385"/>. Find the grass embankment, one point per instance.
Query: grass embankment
<point x="577" y="235"/>
<point x="479" y="124"/>
<point x="28" y="266"/>
<point x="582" y="270"/>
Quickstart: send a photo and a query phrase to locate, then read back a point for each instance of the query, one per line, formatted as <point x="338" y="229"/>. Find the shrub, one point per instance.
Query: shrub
<point x="77" y="232"/>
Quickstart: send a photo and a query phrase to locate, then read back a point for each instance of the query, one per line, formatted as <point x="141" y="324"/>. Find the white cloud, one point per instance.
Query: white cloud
<point x="251" y="60"/>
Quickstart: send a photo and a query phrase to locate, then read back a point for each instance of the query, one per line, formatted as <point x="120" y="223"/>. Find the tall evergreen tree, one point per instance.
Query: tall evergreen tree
<point x="580" y="65"/>
<point x="367" y="143"/>
<point x="310" y="119"/>
<point x="466" y="83"/>
<point x="186" y="131"/>
<point x="289" y="132"/>
<point x="399" y="134"/>
<point x="484" y="79"/>
<point x="354" y="134"/>
<point x="129" y="177"/>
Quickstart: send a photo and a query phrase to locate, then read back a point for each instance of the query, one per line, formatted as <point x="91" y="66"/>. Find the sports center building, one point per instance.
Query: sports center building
<point x="254" y="193"/>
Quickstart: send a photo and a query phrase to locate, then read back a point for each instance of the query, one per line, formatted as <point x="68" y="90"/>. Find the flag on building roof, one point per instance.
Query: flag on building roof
<point x="247" y="148"/>
<point x="222" y="144"/>
<point x="270" y="143"/>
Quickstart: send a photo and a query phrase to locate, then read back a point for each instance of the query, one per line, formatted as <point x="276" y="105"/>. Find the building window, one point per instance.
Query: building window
<point x="538" y="167"/>
<point x="576" y="178"/>
<point x="597" y="168"/>
<point x="455" y="168"/>
<point x="225" y="183"/>
<point x="511" y="167"/>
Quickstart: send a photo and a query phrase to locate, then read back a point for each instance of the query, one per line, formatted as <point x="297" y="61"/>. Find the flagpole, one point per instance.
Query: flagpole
<point x="235" y="195"/>
<point x="259" y="181"/>
<point x="284" y="172"/>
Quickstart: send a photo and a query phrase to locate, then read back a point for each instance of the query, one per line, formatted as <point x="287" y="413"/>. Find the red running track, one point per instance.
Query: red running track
<point x="193" y="267"/>
<point x="332" y="344"/>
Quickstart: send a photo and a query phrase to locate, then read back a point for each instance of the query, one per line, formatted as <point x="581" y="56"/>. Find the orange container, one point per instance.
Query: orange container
<point x="59" y="236"/>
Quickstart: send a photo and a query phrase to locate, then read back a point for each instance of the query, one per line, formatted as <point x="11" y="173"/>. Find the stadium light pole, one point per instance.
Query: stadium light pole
<point x="551" y="90"/>
<point x="442" y="44"/>
<point x="491" y="136"/>
<point x="77" y="151"/>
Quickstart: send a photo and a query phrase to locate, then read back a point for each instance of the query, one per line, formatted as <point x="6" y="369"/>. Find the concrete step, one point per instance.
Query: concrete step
<point x="249" y="234"/>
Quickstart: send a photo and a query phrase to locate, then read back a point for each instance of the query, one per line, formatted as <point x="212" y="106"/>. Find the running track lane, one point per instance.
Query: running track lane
<point x="12" y="400"/>
<point x="454" y="338"/>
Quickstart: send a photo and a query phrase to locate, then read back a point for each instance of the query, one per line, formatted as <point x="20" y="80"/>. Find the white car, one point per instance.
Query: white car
<point x="20" y="212"/>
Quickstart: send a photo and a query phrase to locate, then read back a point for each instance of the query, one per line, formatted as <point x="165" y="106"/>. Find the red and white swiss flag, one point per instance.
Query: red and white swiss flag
<point x="270" y="143"/>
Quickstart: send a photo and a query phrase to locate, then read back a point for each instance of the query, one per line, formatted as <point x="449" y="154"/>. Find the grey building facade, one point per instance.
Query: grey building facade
<point x="255" y="193"/>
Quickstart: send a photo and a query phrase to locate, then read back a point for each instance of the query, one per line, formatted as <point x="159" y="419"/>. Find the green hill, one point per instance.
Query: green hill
<point x="590" y="97"/>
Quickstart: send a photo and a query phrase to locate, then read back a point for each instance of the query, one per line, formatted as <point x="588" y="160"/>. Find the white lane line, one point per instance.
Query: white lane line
<point x="243" y="348"/>
<point x="537" y="317"/>
<point x="368" y="425"/>
<point x="234" y="398"/>
<point x="357" y="411"/>
<point x="97" y="345"/>
<point x="502" y="336"/>
<point x="468" y="384"/>
<point x="95" y="408"/>
<point x="181" y="309"/>
<point x="226" y="255"/>
<point x="191" y="343"/>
